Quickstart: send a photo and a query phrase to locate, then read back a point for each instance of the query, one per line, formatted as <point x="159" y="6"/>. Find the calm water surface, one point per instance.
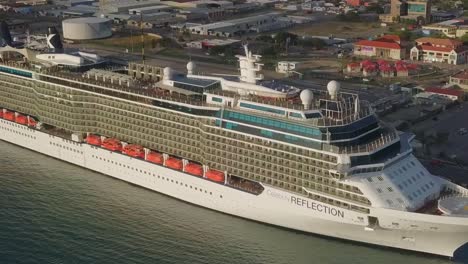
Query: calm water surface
<point x="53" y="212"/>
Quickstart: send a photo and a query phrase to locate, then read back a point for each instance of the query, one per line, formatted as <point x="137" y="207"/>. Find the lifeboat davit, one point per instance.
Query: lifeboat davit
<point x="9" y="116"/>
<point x="93" y="140"/>
<point x="112" y="144"/>
<point x="155" y="157"/>
<point x="32" y="122"/>
<point x="1" y="113"/>
<point x="136" y="151"/>
<point x="215" y="175"/>
<point x="174" y="163"/>
<point x="194" y="169"/>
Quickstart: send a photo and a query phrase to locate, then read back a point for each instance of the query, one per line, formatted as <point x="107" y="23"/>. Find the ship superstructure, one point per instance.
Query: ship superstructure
<point x="319" y="161"/>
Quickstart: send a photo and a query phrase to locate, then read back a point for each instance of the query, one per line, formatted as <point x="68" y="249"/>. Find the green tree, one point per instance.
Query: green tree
<point x="349" y="17"/>
<point x="441" y="137"/>
<point x="269" y="52"/>
<point x="464" y="38"/>
<point x="404" y="34"/>
<point x="264" y="38"/>
<point x="281" y="38"/>
<point x="375" y="8"/>
<point x="216" y="50"/>
<point x="313" y="43"/>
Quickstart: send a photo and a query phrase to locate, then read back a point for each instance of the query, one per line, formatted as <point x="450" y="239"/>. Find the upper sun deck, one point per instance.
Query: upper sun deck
<point x="317" y="108"/>
<point x="331" y="119"/>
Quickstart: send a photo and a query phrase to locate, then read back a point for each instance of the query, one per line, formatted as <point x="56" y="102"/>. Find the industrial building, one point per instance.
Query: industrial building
<point x="86" y="28"/>
<point x="200" y="4"/>
<point x="210" y="43"/>
<point x="460" y="79"/>
<point x="123" y="6"/>
<point x="235" y="27"/>
<point x="161" y="19"/>
<point x="149" y="10"/>
<point x="453" y="28"/>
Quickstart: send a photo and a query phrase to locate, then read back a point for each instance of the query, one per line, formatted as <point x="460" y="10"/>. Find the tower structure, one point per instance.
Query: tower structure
<point x="249" y="67"/>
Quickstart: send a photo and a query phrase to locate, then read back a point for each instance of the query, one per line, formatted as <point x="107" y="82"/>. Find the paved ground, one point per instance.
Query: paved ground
<point x="178" y="64"/>
<point x="453" y="173"/>
<point x="449" y="121"/>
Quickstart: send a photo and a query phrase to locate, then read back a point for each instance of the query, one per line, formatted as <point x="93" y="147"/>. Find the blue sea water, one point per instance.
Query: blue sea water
<point x="54" y="212"/>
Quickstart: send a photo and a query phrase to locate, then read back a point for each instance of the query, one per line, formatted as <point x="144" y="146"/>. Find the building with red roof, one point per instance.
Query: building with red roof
<point x="353" y="67"/>
<point x="386" y="70"/>
<point x="439" y="50"/>
<point x="385" y="47"/>
<point x="401" y="70"/>
<point x="390" y="38"/>
<point x="354" y="3"/>
<point x="460" y="79"/>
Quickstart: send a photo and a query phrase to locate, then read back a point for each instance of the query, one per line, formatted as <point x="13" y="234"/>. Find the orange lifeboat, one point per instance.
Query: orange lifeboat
<point x="155" y="157"/>
<point x="194" y="169"/>
<point x="215" y="175"/>
<point x="9" y="116"/>
<point x="174" y="163"/>
<point x="21" y="119"/>
<point x="112" y="144"/>
<point x="136" y="151"/>
<point x="93" y="140"/>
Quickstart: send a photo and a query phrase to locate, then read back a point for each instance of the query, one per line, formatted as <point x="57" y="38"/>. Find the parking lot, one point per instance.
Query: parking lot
<point x="450" y="121"/>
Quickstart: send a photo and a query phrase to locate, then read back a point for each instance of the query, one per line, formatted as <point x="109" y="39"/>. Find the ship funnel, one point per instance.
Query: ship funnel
<point x="53" y="39"/>
<point x="5" y="36"/>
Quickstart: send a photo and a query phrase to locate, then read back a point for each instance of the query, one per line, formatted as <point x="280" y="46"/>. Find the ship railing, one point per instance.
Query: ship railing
<point x="447" y="196"/>
<point x="148" y="91"/>
<point x="383" y="140"/>
<point x="451" y="189"/>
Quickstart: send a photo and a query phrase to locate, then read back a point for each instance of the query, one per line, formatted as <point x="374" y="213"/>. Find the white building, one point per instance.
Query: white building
<point x="287" y="66"/>
<point x="149" y="10"/>
<point x="123" y="6"/>
<point x="229" y="28"/>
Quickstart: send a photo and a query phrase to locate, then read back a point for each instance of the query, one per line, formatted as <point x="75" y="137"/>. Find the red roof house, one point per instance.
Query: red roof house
<point x="385" y="47"/>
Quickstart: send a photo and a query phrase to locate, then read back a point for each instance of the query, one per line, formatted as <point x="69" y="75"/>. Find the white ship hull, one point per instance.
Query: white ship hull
<point x="410" y="231"/>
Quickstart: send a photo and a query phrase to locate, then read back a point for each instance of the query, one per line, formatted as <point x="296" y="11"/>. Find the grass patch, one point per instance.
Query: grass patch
<point x="128" y="42"/>
<point x="337" y="28"/>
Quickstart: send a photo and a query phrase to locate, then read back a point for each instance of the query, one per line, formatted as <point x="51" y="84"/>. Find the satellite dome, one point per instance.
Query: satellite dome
<point x="307" y="96"/>
<point x="333" y="88"/>
<point x="191" y="67"/>
<point x="167" y="73"/>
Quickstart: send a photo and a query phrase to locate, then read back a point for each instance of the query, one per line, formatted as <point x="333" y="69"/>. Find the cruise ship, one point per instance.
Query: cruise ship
<point x="317" y="161"/>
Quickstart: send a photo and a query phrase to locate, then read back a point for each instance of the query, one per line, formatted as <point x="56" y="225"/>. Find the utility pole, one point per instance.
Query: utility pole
<point x="131" y="39"/>
<point x="142" y="39"/>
